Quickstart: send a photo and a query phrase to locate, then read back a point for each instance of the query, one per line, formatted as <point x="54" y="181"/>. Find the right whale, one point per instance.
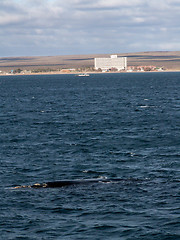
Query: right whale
<point x="63" y="183"/>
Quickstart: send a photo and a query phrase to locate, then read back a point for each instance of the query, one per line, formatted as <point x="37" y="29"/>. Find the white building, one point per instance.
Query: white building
<point x="120" y="63"/>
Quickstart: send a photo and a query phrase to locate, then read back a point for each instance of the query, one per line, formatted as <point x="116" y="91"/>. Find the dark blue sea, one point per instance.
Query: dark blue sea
<point x="64" y="127"/>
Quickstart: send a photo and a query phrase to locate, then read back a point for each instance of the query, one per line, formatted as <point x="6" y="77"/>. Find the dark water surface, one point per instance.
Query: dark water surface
<point x="108" y="125"/>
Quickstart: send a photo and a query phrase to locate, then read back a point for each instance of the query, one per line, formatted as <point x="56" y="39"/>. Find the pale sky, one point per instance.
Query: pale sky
<point x="65" y="27"/>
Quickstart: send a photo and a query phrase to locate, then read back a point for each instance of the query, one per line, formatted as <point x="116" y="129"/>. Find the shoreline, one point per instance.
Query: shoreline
<point x="77" y="73"/>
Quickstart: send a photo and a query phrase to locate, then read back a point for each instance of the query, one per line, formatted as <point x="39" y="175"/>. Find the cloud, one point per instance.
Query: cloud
<point x="52" y="27"/>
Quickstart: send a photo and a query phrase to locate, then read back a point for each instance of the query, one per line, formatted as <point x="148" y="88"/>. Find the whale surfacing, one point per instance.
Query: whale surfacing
<point x="63" y="183"/>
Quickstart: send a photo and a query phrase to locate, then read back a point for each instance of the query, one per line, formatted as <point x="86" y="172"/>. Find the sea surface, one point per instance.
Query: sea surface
<point x="56" y="127"/>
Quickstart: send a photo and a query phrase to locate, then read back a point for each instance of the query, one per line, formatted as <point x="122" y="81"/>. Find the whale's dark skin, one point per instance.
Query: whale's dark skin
<point x="64" y="183"/>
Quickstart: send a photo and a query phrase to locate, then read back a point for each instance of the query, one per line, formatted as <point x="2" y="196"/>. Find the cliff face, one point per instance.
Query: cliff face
<point x="170" y="60"/>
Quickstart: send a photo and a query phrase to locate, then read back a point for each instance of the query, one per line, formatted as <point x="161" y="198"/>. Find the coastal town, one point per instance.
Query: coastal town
<point x="141" y="62"/>
<point x="88" y="70"/>
<point x="101" y="65"/>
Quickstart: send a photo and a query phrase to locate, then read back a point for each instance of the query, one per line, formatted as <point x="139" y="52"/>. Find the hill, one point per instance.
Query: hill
<point x="170" y="60"/>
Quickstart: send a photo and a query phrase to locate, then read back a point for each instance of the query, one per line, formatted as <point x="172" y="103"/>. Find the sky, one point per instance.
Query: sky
<point x="69" y="27"/>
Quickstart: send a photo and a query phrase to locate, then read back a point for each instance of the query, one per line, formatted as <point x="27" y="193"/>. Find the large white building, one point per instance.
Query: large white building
<point x="120" y="63"/>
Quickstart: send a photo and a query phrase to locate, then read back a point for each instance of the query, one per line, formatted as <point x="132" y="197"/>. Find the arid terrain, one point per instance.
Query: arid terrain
<point x="169" y="60"/>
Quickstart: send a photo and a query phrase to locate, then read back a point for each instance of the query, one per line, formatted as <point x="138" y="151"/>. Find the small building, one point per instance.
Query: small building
<point x="115" y="62"/>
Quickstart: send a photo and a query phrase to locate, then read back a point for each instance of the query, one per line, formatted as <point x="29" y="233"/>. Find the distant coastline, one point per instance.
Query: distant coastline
<point x="76" y="73"/>
<point x="74" y="64"/>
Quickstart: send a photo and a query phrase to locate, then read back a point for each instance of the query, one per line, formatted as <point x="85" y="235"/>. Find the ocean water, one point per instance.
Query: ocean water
<point x="57" y="127"/>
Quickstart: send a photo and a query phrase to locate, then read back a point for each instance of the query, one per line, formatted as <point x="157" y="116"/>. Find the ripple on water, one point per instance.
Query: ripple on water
<point x="111" y="126"/>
